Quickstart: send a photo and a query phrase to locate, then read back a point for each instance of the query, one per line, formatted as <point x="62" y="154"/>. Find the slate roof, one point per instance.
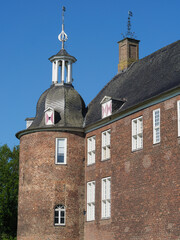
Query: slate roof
<point x="149" y="77"/>
<point x="63" y="53"/>
<point x="68" y="105"/>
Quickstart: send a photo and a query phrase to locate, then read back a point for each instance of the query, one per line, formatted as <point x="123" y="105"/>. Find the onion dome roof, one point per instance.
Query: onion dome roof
<point x="69" y="108"/>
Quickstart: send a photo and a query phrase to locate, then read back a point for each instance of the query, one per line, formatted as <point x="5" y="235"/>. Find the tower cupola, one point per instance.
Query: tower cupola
<point x="62" y="60"/>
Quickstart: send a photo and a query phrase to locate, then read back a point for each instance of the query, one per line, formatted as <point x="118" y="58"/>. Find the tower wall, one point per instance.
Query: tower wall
<point x="44" y="184"/>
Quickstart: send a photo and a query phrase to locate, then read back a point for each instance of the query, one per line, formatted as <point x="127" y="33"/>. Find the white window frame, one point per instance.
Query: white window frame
<point x="178" y="116"/>
<point x="91" y="150"/>
<point x="65" y="151"/>
<point x="137" y="133"/>
<point x="106" y="145"/>
<point x="91" y="191"/>
<point x="106" y="198"/>
<point x="156" y="126"/>
<point x="60" y="209"/>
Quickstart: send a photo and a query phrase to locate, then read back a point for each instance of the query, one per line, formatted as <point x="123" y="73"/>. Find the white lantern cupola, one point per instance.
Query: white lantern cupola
<point x="62" y="60"/>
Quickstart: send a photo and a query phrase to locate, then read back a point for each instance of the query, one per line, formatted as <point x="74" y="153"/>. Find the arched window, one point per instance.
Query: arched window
<point x="59" y="215"/>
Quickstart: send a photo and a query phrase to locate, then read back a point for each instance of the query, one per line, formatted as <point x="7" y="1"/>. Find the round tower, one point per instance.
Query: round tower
<point x="51" y="177"/>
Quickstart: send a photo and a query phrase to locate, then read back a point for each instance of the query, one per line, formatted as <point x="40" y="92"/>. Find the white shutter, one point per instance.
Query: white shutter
<point x="108" y="137"/>
<point x="178" y="110"/>
<point x="106" y="197"/>
<point x="90" y="201"/>
<point x="91" y="145"/>
<point x="106" y="142"/>
<point x="137" y="133"/>
<point x="156" y="126"/>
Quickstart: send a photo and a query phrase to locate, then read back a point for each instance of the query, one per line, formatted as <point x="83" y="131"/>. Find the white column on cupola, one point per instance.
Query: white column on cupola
<point x="55" y="66"/>
<point x="63" y="71"/>
<point x="69" y="72"/>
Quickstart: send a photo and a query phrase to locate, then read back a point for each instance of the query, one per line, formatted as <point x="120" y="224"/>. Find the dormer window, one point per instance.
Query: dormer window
<point x="49" y="116"/>
<point x="110" y="105"/>
<point x="106" y="107"/>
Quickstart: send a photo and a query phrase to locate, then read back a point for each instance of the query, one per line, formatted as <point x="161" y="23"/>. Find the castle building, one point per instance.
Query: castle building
<point x="111" y="170"/>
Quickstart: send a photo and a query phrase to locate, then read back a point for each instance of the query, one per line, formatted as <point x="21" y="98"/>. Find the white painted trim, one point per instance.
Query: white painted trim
<point x="178" y="117"/>
<point x="155" y="128"/>
<point x="65" y="151"/>
<point x="103" y="215"/>
<point x="91" y="151"/>
<point x="105" y="99"/>
<point x="106" y="145"/>
<point x="137" y="135"/>
<point x="91" y="186"/>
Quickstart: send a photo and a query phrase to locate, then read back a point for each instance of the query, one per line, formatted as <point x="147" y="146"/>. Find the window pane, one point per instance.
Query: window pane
<point x="56" y="220"/>
<point x="62" y="213"/>
<point x="62" y="221"/>
<point x="61" y="143"/>
<point x="60" y="158"/>
<point x="61" y="150"/>
<point x="56" y="213"/>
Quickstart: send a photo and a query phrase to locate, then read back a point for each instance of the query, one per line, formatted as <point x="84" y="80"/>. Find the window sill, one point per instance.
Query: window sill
<point x="90" y="164"/>
<point x="60" y="163"/>
<point x="90" y="221"/>
<point x="105" y="218"/>
<point x="59" y="225"/>
<point x="102" y="160"/>
<point x="136" y="150"/>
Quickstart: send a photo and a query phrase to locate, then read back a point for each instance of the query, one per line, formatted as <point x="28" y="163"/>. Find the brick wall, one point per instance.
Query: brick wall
<point x="43" y="185"/>
<point x="145" y="184"/>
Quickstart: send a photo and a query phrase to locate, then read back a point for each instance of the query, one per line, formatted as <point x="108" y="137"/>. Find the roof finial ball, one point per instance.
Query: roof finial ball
<point x="63" y="36"/>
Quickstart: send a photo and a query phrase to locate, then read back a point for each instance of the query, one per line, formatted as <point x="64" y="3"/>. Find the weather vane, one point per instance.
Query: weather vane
<point x="129" y="33"/>
<point x="63" y="36"/>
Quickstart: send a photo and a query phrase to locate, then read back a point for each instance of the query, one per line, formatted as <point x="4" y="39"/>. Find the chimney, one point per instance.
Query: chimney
<point x="128" y="52"/>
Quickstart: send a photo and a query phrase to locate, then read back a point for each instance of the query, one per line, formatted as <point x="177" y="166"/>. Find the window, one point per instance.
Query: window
<point x="156" y="126"/>
<point x="106" y="109"/>
<point x="59" y="215"/>
<point x="106" y="197"/>
<point x="137" y="133"/>
<point x="178" y="110"/>
<point x="61" y="149"/>
<point x="91" y="150"/>
<point x="106" y="141"/>
<point x="90" y="201"/>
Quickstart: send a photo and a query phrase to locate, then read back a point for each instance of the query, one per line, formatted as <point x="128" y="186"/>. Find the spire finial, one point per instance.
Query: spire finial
<point x="63" y="36"/>
<point x="129" y="32"/>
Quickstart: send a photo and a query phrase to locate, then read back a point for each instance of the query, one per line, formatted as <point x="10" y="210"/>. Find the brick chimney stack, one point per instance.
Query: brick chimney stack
<point x="128" y="53"/>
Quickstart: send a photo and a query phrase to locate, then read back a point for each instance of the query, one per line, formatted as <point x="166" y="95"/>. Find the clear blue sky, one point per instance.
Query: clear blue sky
<point x="29" y="31"/>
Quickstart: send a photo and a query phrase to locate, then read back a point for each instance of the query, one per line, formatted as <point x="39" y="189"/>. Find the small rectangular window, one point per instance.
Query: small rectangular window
<point x="137" y="133"/>
<point x="106" y="143"/>
<point x="91" y="142"/>
<point x="106" y="197"/>
<point x="156" y="126"/>
<point x="91" y="201"/>
<point x="178" y="115"/>
<point x="61" y="150"/>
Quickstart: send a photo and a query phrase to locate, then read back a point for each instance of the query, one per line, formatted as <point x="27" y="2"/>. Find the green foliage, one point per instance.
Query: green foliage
<point x="9" y="170"/>
<point x="7" y="237"/>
